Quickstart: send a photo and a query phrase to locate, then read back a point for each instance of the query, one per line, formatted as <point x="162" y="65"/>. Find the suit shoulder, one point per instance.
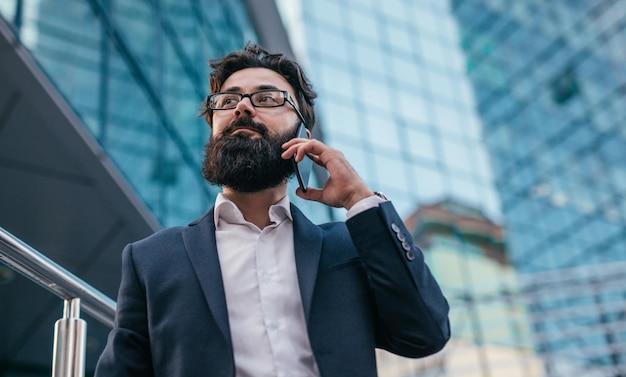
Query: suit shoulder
<point x="162" y="234"/>
<point x="172" y="234"/>
<point x="162" y="239"/>
<point x="161" y="250"/>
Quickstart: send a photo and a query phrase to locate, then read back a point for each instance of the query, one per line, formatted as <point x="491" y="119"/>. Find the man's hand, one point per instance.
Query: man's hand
<point x="343" y="188"/>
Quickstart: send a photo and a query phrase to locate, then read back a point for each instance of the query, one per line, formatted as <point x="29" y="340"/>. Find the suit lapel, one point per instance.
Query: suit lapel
<point x="201" y="248"/>
<point x="307" y="240"/>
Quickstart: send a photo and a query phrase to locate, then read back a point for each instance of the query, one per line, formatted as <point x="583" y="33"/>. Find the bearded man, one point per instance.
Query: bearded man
<point x="253" y="288"/>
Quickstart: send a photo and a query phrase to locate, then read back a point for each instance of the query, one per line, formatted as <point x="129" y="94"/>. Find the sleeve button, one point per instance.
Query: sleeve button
<point x="410" y="255"/>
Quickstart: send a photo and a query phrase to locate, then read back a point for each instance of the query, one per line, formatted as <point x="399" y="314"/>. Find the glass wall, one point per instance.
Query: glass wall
<point x="394" y="97"/>
<point x="549" y="80"/>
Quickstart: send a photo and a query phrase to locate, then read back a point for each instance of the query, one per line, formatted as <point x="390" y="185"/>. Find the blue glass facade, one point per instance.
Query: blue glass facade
<point x="549" y="97"/>
<point x="393" y="96"/>
<point x="549" y="79"/>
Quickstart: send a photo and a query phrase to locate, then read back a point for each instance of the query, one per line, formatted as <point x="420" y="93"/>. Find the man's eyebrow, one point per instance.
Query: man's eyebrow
<point x="237" y="89"/>
<point x="231" y="89"/>
<point x="267" y="86"/>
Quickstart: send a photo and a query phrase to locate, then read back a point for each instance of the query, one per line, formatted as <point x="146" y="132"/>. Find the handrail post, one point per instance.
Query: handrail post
<point x="70" y="333"/>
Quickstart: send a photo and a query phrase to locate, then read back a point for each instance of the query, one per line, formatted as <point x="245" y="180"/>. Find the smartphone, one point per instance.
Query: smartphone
<point x="302" y="168"/>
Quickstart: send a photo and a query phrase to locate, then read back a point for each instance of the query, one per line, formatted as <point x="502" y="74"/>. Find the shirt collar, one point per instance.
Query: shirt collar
<point x="227" y="211"/>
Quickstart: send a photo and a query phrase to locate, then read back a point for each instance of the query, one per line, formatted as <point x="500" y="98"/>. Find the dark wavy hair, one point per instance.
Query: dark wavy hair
<point x="254" y="56"/>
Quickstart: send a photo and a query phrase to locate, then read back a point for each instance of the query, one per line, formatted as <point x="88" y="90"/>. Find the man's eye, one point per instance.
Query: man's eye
<point x="268" y="98"/>
<point x="229" y="100"/>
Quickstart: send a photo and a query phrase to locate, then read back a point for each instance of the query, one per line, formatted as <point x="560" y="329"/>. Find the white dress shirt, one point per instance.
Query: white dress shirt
<point x="267" y="323"/>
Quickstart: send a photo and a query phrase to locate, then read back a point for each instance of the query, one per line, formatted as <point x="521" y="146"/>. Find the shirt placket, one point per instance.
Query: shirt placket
<point x="270" y="289"/>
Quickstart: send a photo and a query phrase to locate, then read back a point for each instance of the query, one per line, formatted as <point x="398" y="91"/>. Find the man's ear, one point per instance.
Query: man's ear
<point x="308" y="133"/>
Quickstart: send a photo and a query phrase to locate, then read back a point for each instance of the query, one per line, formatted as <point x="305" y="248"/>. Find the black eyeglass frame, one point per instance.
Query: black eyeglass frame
<point x="286" y="97"/>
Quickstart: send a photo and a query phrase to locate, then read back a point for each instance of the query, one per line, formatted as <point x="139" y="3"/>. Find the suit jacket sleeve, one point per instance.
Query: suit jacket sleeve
<point x="411" y="311"/>
<point x="127" y="352"/>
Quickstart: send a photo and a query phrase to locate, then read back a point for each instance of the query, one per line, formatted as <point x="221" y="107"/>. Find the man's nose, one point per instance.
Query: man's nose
<point x="244" y="107"/>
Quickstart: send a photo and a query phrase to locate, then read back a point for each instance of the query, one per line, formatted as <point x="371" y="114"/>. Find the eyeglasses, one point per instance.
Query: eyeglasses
<point x="260" y="98"/>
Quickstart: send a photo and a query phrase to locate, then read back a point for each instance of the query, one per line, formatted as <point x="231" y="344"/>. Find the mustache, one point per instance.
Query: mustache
<point x="245" y="123"/>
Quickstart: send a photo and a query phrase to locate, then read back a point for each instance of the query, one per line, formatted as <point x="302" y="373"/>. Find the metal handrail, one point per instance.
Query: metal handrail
<point x="70" y="331"/>
<point x="43" y="271"/>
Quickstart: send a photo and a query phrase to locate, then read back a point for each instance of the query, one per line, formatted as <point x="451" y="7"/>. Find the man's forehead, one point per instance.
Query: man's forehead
<point x="249" y="79"/>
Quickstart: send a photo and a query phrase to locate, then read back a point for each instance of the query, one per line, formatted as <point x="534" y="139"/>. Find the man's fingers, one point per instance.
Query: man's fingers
<point x="308" y="145"/>
<point x="298" y="149"/>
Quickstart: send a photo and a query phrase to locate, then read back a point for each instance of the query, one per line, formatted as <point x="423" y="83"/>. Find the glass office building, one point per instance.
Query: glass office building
<point x="550" y="80"/>
<point x="394" y="97"/>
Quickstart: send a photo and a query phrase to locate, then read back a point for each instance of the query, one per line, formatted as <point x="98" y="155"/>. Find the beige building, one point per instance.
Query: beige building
<point x="490" y="328"/>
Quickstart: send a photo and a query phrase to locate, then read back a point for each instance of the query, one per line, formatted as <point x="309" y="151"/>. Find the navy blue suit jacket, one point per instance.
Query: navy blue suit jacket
<point x="363" y="285"/>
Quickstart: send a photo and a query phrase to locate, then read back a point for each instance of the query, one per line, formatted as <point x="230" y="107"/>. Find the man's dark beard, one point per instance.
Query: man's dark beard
<point x="244" y="163"/>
